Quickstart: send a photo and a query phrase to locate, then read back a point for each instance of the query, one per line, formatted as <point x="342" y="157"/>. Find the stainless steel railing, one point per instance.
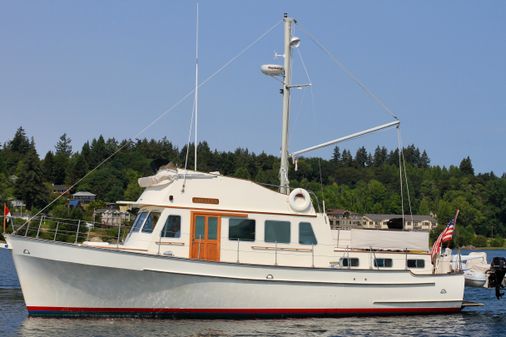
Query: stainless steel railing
<point x="72" y="230"/>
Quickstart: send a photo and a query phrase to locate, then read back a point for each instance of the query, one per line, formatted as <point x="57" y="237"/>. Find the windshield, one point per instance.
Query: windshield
<point x="139" y="220"/>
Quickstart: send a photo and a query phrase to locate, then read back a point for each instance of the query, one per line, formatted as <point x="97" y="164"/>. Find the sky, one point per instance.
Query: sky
<point x="90" y="68"/>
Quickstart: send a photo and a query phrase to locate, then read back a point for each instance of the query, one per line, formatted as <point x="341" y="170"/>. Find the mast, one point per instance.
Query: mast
<point x="284" y="183"/>
<point x="196" y="83"/>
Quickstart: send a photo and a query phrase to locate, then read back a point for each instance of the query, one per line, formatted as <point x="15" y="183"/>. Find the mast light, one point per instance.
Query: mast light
<point x="295" y="42"/>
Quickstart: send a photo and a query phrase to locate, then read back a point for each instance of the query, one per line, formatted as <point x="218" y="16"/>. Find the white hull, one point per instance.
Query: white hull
<point x="68" y="280"/>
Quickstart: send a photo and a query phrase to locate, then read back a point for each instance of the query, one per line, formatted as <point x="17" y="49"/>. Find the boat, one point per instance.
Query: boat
<point x="475" y="268"/>
<point x="206" y="245"/>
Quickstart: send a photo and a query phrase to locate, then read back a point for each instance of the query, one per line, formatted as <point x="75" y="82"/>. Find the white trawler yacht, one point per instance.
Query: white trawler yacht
<point x="203" y="244"/>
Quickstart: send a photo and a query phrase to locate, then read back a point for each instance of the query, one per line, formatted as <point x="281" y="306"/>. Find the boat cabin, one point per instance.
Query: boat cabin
<point x="176" y="219"/>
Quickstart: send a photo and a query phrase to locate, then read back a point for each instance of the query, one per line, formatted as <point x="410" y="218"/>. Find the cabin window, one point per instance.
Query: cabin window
<point x="172" y="227"/>
<point x="139" y="220"/>
<point x="200" y="227"/>
<point x="150" y="222"/>
<point x="277" y="231"/>
<point x="383" y="263"/>
<point x="416" y="263"/>
<point x="212" y="228"/>
<point x="306" y="234"/>
<point x="241" y="229"/>
<point x="349" y="262"/>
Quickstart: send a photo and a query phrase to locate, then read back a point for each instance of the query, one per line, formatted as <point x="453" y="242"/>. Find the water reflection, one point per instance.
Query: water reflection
<point x="454" y="325"/>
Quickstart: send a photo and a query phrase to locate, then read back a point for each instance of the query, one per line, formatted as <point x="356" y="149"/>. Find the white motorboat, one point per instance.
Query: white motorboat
<point x="208" y="245"/>
<point x="475" y="268"/>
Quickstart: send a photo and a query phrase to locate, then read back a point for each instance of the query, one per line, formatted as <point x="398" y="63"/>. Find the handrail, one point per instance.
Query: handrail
<point x="73" y="230"/>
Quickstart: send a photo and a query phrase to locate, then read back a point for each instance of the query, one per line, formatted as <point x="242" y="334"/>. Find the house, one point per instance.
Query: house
<point x="386" y="221"/>
<point x="84" y="197"/>
<point x="111" y="216"/>
<point x="343" y="219"/>
<point x="59" y="189"/>
<point x="17" y="203"/>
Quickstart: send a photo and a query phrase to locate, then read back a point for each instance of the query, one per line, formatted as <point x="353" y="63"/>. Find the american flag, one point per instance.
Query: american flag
<point x="7" y="215"/>
<point x="445" y="236"/>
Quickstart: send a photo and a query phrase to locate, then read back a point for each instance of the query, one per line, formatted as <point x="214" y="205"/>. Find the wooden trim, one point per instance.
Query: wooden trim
<point x="220" y="214"/>
<point x="226" y="212"/>
<point x="288" y="249"/>
<point x="121" y="248"/>
<point x="170" y="243"/>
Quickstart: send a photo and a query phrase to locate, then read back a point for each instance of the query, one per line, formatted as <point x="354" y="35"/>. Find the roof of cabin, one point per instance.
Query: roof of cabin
<point x="213" y="191"/>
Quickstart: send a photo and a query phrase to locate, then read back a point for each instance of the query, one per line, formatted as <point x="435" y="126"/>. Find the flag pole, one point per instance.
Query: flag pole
<point x="458" y="248"/>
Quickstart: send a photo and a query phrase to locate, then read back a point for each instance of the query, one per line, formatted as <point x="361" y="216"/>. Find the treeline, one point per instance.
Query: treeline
<point x="362" y="182"/>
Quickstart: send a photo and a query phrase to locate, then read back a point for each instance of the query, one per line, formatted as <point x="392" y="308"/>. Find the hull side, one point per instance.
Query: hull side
<point x="88" y="284"/>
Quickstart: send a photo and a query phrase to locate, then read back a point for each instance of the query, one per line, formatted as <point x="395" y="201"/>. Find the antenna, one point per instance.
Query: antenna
<point x="196" y="99"/>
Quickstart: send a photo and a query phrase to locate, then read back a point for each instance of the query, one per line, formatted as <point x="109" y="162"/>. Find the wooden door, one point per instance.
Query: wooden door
<point x="205" y="237"/>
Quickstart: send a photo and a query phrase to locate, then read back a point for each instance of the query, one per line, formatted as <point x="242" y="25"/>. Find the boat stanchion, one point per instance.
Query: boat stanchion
<point x="238" y="249"/>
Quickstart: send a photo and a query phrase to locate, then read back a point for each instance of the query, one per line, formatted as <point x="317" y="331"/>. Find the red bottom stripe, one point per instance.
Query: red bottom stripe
<point x="76" y="311"/>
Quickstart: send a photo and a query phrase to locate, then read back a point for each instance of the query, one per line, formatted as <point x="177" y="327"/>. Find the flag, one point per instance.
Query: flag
<point x="7" y="214"/>
<point x="445" y="236"/>
<point x="448" y="232"/>
<point x="436" y="247"/>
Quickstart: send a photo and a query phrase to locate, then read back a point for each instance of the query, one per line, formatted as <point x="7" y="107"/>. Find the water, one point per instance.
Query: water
<point x="489" y="320"/>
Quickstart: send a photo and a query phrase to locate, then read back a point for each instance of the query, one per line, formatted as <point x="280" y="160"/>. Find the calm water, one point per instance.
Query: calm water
<point x="489" y="320"/>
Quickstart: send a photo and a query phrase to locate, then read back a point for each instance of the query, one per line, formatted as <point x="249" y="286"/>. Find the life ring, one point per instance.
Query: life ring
<point x="299" y="200"/>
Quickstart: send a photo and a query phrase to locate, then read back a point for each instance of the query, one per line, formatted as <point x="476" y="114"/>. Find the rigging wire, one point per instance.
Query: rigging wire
<point x="405" y="173"/>
<point x="381" y="103"/>
<point x="350" y="74"/>
<point x="194" y="114"/>
<point x="188" y="148"/>
<point x="399" y="150"/>
<point x="317" y="124"/>
<point x="158" y="118"/>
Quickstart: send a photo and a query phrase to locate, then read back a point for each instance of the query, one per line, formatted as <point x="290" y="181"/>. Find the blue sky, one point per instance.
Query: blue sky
<point x="87" y="68"/>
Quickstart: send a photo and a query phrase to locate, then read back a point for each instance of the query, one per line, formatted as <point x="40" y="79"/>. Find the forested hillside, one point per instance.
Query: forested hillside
<point x="361" y="182"/>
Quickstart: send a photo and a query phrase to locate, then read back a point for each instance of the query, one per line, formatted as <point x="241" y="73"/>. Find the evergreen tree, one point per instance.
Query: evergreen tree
<point x="16" y="149"/>
<point x="48" y="165"/>
<point x="336" y="155"/>
<point x="63" y="146"/>
<point x="20" y="143"/>
<point x="63" y="150"/>
<point x="424" y="160"/>
<point x="466" y="166"/>
<point x="361" y="157"/>
<point x="380" y="156"/>
<point x="30" y="184"/>
<point x="77" y="168"/>
<point x="347" y="158"/>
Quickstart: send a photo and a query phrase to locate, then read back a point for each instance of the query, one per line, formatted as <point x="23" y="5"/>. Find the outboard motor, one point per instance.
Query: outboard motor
<point x="496" y="275"/>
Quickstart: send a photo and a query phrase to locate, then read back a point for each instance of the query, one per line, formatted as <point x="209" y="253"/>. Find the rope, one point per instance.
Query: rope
<point x="350" y="74"/>
<point x="154" y="121"/>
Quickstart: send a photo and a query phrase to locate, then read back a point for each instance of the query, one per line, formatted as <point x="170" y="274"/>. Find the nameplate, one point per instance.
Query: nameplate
<point x="211" y="201"/>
